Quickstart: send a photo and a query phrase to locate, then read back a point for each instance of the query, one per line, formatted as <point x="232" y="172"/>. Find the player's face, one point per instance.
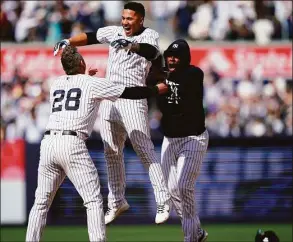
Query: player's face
<point x="172" y="62"/>
<point x="131" y="22"/>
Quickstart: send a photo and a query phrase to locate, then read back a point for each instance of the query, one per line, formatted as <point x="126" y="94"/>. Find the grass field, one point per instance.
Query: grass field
<point x="152" y="233"/>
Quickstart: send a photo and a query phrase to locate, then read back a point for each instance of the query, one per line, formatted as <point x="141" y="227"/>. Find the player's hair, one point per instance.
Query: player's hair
<point x="136" y="7"/>
<point x="70" y="60"/>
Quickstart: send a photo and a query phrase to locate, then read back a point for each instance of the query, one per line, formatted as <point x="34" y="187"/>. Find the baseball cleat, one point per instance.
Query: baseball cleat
<point x="163" y="213"/>
<point x="203" y="235"/>
<point x="111" y="213"/>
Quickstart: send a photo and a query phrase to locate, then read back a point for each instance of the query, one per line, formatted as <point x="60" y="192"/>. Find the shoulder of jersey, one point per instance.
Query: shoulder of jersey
<point x="150" y="31"/>
<point x="60" y="78"/>
<point x="119" y="30"/>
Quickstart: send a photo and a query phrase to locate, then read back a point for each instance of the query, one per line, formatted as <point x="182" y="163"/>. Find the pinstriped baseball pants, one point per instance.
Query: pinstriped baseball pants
<point x="119" y="119"/>
<point x="63" y="155"/>
<point x="181" y="162"/>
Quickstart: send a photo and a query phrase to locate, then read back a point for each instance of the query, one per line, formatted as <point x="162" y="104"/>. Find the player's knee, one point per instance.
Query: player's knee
<point x="41" y="205"/>
<point x="172" y="188"/>
<point x="141" y="142"/>
<point x="143" y="150"/>
<point x="184" y="188"/>
<point x="112" y="152"/>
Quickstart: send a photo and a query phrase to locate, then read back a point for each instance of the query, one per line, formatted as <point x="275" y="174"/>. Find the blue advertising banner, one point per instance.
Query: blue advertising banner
<point x="237" y="183"/>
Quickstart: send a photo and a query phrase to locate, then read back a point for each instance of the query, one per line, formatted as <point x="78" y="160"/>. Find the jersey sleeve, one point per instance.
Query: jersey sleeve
<point x="151" y="37"/>
<point x="104" y="89"/>
<point x="104" y="35"/>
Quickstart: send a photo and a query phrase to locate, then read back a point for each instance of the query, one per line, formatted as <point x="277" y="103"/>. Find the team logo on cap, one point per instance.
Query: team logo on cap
<point x="175" y="46"/>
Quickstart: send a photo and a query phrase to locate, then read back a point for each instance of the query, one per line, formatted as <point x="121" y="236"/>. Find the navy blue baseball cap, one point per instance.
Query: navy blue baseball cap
<point x="266" y="236"/>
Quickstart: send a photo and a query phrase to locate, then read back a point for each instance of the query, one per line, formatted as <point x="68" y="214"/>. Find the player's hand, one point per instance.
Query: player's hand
<point x="92" y="72"/>
<point x="60" y="45"/>
<point x="163" y="88"/>
<point x="162" y="74"/>
<point x="121" y="44"/>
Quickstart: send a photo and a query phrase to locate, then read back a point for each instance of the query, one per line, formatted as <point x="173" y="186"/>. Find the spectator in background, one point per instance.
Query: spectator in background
<point x="201" y="21"/>
<point x="7" y="30"/>
<point x="283" y="12"/>
<point x="222" y="94"/>
<point x="241" y="16"/>
<point x="263" y="27"/>
<point x="162" y="12"/>
<point x="83" y="17"/>
<point x="97" y="17"/>
<point x="238" y="31"/>
<point x="77" y="28"/>
<point x="26" y="22"/>
<point x="54" y="28"/>
<point x="41" y="30"/>
<point x="183" y="18"/>
<point x="212" y="20"/>
<point x="66" y="22"/>
<point x="28" y="126"/>
<point x="112" y="10"/>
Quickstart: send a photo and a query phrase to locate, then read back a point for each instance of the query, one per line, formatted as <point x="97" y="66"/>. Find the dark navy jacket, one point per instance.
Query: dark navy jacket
<point x="182" y="108"/>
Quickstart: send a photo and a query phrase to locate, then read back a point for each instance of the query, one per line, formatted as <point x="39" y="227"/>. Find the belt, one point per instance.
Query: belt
<point x="65" y="132"/>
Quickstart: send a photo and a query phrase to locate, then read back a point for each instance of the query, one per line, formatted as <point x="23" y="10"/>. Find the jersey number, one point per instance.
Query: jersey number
<point x="72" y="101"/>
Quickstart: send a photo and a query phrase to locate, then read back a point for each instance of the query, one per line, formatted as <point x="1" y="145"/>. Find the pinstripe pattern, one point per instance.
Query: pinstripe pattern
<point x="128" y="117"/>
<point x="125" y="68"/>
<point x="93" y="91"/>
<point x="67" y="155"/>
<point x="181" y="162"/>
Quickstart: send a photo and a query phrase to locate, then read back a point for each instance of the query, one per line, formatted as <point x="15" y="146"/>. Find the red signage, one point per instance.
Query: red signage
<point x="236" y="61"/>
<point x="233" y="61"/>
<point x="13" y="160"/>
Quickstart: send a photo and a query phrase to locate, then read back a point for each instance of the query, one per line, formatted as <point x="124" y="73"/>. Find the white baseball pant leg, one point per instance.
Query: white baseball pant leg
<point x="50" y="176"/>
<point x="114" y="137"/>
<point x="189" y="153"/>
<point x="72" y="158"/>
<point x="169" y="166"/>
<point x="133" y="117"/>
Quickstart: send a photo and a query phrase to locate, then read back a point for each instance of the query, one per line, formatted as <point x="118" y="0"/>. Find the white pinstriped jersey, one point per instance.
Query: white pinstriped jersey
<point x="128" y="69"/>
<point x="75" y="100"/>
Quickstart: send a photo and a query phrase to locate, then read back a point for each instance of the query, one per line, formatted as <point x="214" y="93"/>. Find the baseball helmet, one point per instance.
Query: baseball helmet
<point x="266" y="236"/>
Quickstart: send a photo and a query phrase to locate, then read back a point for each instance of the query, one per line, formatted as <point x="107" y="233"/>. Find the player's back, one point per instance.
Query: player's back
<point x="75" y="100"/>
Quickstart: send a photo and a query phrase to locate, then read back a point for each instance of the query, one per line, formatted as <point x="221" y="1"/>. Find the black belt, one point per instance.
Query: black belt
<point x="65" y="132"/>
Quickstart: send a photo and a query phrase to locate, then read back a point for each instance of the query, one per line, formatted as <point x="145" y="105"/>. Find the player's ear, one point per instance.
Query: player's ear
<point x="141" y="20"/>
<point x="82" y="66"/>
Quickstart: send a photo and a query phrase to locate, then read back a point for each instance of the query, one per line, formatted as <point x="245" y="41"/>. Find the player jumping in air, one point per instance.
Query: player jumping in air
<point x="75" y="99"/>
<point x="132" y="48"/>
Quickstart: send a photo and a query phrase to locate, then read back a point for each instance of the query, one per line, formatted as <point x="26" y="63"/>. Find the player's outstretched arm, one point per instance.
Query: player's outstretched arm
<point x="145" y="50"/>
<point x="81" y="39"/>
<point x="144" y="92"/>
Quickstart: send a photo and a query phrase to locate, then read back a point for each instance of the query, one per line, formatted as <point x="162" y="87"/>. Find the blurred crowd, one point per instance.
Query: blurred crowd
<point x="247" y="107"/>
<point x="250" y="106"/>
<point x="259" y="20"/>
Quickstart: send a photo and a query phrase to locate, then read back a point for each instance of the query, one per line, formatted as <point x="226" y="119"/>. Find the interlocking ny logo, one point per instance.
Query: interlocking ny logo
<point x="175" y="46"/>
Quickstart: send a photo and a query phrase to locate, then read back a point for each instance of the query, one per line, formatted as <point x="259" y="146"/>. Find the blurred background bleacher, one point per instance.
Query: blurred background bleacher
<point x="254" y="103"/>
<point x="245" y="50"/>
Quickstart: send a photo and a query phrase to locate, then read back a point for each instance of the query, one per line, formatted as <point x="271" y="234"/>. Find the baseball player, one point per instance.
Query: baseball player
<point x="132" y="47"/>
<point x="75" y="99"/>
<point x="185" y="136"/>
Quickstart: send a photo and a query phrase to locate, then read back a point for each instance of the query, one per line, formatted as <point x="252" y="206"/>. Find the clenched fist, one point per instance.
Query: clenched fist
<point x="163" y="88"/>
